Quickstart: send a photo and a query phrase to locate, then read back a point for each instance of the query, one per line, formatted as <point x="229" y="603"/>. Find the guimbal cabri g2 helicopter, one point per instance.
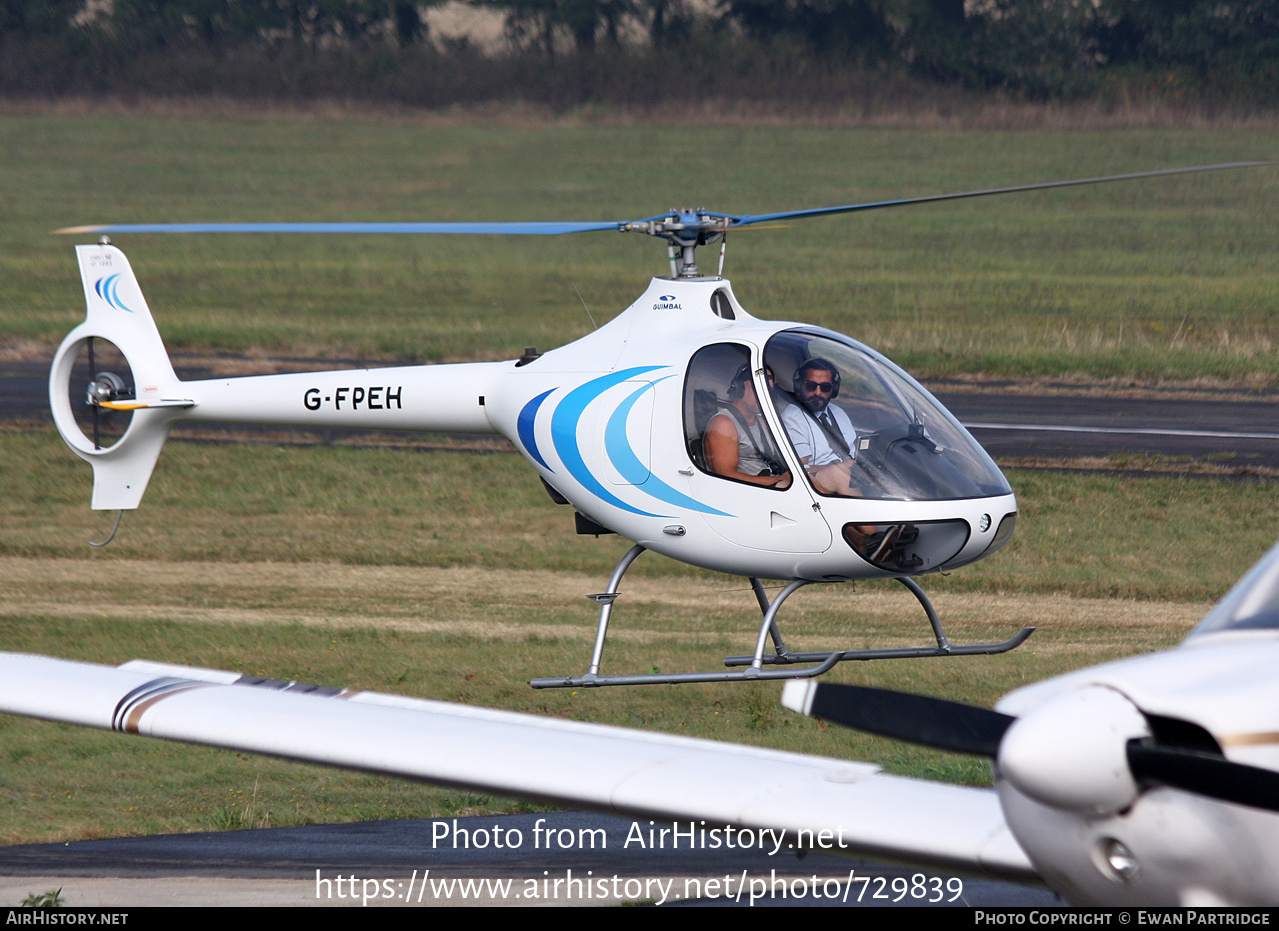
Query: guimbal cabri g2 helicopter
<point x="759" y="449"/>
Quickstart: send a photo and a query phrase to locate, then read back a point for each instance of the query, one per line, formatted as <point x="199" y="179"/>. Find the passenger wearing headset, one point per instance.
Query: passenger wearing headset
<point x="737" y="441"/>
<point x="823" y="436"/>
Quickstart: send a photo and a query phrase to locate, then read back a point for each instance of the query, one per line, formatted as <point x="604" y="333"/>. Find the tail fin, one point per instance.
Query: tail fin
<point x="118" y="313"/>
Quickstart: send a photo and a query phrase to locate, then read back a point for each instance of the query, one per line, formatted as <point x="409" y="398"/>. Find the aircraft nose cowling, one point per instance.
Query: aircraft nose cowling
<point x="1071" y="753"/>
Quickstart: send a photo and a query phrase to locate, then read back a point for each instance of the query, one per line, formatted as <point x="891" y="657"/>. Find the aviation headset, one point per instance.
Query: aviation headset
<point x="737" y="387"/>
<point x="817" y="362"/>
<point x="763" y="444"/>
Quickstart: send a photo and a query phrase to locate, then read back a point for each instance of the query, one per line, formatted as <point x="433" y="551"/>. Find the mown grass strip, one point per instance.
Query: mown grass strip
<point x="453" y="576"/>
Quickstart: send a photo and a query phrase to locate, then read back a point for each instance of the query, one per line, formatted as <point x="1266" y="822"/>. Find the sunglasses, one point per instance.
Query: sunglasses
<point x="825" y="387"/>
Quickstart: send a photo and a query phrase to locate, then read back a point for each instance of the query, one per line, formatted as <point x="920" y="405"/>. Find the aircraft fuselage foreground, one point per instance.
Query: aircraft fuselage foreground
<point x="616" y="424"/>
<point x="1098" y="834"/>
<point x="1069" y="808"/>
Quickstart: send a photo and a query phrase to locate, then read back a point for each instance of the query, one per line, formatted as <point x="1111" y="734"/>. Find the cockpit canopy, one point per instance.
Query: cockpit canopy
<point x="1253" y="604"/>
<point x="866" y="428"/>
<point x="856" y="426"/>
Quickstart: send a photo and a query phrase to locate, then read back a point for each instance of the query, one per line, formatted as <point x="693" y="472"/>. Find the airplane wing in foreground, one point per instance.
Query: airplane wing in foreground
<point x="591" y="765"/>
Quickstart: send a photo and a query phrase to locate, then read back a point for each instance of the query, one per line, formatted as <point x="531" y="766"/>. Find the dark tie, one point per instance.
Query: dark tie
<point x="837" y="441"/>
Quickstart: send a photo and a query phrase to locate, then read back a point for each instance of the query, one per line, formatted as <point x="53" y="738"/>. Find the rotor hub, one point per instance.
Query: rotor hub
<point x="684" y="229"/>
<point x="106" y="386"/>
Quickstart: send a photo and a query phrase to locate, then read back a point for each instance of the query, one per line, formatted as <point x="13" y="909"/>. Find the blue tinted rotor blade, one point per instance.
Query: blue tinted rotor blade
<point x="510" y="229"/>
<point x="820" y="211"/>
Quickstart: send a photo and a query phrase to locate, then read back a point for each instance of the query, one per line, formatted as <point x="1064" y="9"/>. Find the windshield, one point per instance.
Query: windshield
<point x="1253" y="604"/>
<point x="864" y="428"/>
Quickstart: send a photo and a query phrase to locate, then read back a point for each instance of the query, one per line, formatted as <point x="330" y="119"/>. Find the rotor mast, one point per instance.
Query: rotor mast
<point x="684" y="229"/>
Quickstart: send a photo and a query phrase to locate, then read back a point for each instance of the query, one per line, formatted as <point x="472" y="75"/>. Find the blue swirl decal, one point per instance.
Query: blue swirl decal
<point x="628" y="464"/>
<point x="106" y="289"/>
<point x="565" y="420"/>
<point x="524" y="426"/>
<point x="568" y="413"/>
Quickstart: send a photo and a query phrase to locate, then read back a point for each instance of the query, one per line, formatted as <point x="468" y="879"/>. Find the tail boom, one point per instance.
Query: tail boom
<point x="432" y="398"/>
<point x="435" y="398"/>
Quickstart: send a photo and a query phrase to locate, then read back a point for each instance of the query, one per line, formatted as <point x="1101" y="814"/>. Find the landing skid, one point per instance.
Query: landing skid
<point x="755" y="663"/>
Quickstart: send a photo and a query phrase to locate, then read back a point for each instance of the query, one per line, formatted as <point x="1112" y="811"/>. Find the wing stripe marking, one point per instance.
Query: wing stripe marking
<point x="140" y="708"/>
<point x="1249" y="740"/>
<point x="129" y="710"/>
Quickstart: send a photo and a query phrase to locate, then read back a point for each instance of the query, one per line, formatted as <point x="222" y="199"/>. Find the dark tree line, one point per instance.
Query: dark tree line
<point x="216" y="23"/>
<point x="1027" y="43"/>
<point x="1040" y="48"/>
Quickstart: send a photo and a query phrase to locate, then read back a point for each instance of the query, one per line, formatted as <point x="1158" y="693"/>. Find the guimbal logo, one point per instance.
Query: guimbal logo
<point x="667" y="302"/>
<point x="108" y="289"/>
<point x="566" y="415"/>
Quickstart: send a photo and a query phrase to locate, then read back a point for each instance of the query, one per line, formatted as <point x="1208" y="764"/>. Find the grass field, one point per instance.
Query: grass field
<point x="377" y="569"/>
<point x="1172" y="278"/>
<point x="368" y="568"/>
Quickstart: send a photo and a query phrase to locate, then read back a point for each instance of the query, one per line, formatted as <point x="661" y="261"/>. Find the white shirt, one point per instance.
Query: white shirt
<point x="810" y="439"/>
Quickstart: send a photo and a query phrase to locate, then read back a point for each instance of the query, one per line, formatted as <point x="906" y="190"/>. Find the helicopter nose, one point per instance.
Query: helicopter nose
<point x="907" y="547"/>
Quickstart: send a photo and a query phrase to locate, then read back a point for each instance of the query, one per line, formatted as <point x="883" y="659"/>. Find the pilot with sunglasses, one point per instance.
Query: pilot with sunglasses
<point x="824" y="437"/>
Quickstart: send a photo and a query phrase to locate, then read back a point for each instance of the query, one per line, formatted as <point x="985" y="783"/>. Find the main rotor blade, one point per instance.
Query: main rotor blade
<point x="510" y="229"/>
<point x="1205" y="774"/>
<point x="694" y="223"/>
<point x="932" y="722"/>
<point x="876" y="205"/>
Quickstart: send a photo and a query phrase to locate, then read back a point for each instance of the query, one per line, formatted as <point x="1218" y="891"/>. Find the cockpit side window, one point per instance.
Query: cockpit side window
<point x="724" y="427"/>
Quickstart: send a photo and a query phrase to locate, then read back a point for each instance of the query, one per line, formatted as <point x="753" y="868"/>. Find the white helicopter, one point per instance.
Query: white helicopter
<point x="1148" y="781"/>
<point x="760" y="449"/>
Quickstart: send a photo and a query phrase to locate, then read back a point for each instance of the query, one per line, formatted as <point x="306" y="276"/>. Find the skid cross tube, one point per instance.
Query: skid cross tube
<point x="943" y="648"/>
<point x="768" y="627"/>
<point x="774" y="631"/>
<point x="791" y="663"/>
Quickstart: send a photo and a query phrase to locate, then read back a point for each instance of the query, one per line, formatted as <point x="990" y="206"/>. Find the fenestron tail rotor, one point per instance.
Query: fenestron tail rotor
<point x="114" y="410"/>
<point x="684" y="229"/>
<point x="97" y="433"/>
<point x="101" y="387"/>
